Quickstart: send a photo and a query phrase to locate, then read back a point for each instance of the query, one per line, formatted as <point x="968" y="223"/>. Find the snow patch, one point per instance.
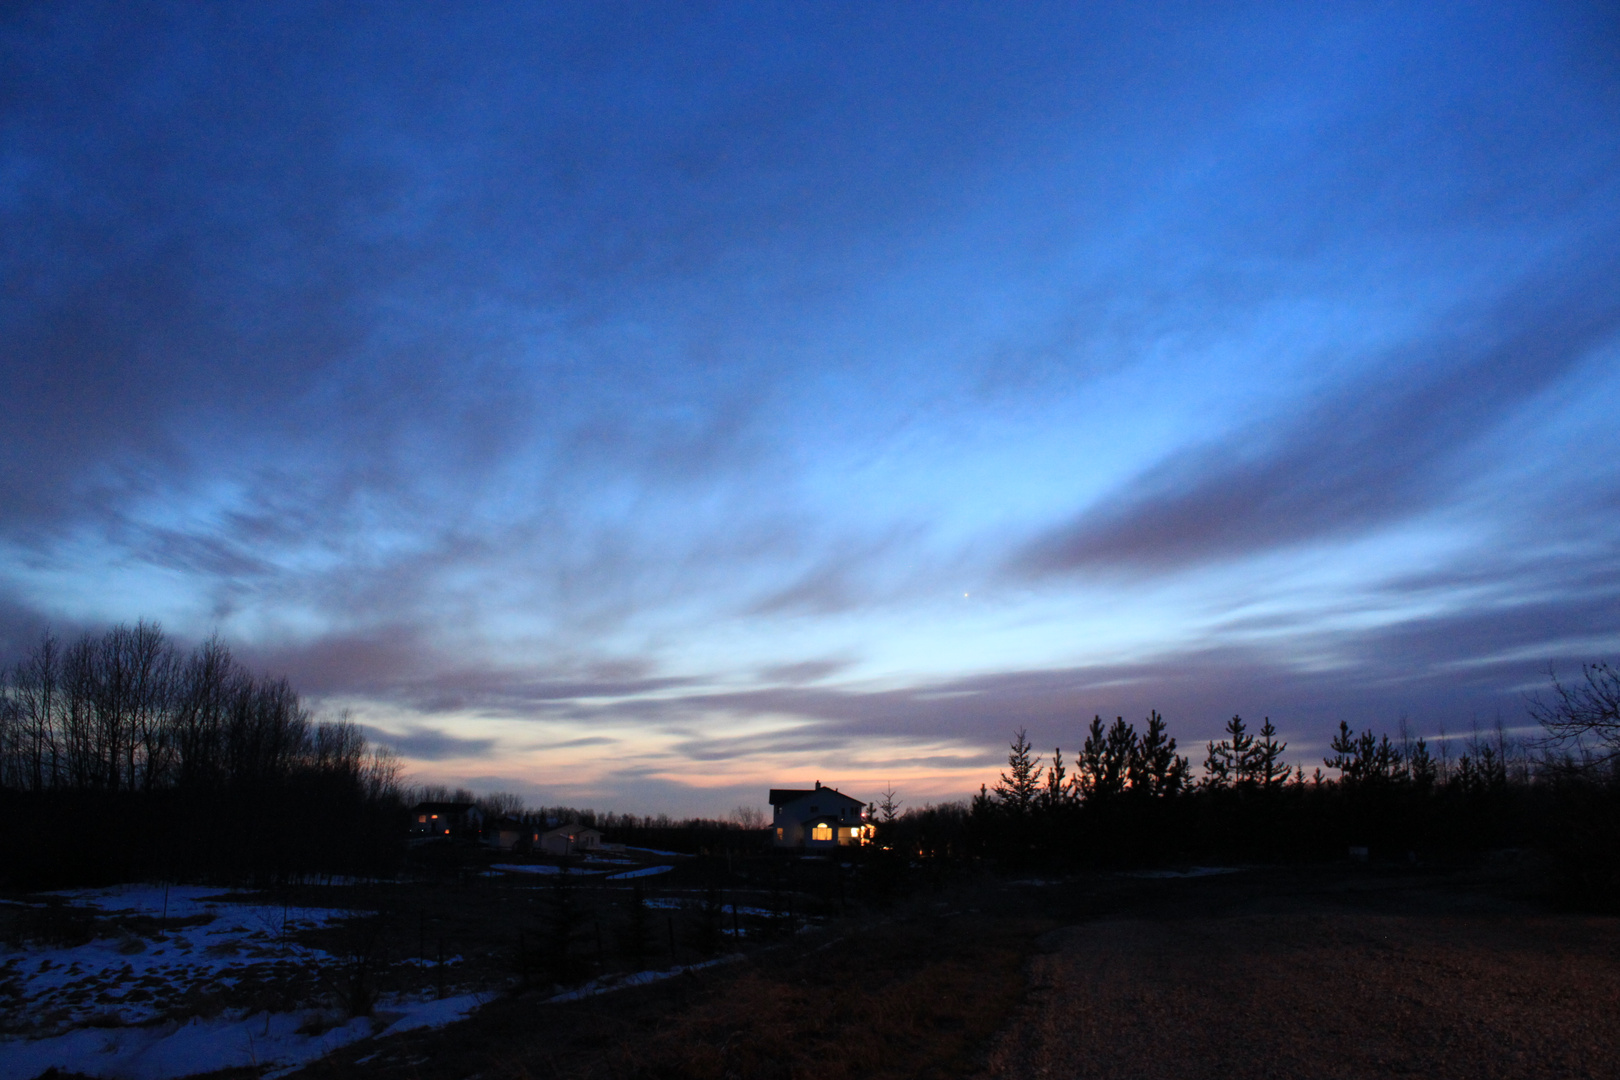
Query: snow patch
<point x="609" y="983"/>
<point x="174" y="1049"/>
<point x="1196" y="871"/>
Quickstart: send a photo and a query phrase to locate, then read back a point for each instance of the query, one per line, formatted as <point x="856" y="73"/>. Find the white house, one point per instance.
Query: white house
<point x="818" y="817"/>
<point x="570" y="839"/>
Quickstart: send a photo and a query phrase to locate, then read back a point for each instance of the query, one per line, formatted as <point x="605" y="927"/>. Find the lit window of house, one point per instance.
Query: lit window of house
<point x="822" y="832"/>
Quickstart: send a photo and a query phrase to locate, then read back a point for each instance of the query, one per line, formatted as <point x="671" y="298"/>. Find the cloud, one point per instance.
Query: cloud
<point x="805" y="671"/>
<point x="426" y="744"/>
<point x="1383" y="449"/>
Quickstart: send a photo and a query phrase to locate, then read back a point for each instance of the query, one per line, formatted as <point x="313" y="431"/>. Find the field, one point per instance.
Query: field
<point x="787" y="969"/>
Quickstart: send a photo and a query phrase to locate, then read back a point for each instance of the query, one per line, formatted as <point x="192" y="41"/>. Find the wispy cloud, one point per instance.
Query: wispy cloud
<point x="1386" y="447"/>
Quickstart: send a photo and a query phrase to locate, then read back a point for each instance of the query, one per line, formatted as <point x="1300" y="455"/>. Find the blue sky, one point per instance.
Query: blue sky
<point x="641" y="405"/>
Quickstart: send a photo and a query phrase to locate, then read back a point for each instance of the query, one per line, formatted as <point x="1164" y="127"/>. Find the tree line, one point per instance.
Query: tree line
<point x="126" y="754"/>
<point x="1130" y="796"/>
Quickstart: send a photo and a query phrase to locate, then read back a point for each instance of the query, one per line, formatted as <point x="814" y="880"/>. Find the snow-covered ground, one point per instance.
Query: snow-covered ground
<point x="636" y="978"/>
<point x="209" y="943"/>
<point x="645" y="871"/>
<point x="280" y="1041"/>
<point x="173" y="1000"/>
<point x="1196" y="871"/>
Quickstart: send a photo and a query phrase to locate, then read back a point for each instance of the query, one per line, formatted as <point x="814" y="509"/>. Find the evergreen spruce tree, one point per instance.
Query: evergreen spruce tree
<point x="1218" y="765"/>
<point x="1421" y="767"/>
<point x="1245" y="766"/>
<point x="1089" y="768"/>
<point x="1119" y="757"/>
<point x="1269" y="768"/>
<point x="1058" y="792"/>
<point x="1346" y="755"/>
<point x="1159" y="770"/>
<point x="1020" y="786"/>
<point x="889" y="806"/>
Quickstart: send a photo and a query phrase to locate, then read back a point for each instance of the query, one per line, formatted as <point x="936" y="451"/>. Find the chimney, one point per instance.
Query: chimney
<point x="818" y="785"/>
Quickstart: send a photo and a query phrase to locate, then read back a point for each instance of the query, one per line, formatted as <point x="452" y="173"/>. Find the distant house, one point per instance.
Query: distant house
<point x="818" y="817"/>
<point x="446" y="821"/>
<point x="508" y="834"/>
<point x="570" y="839"/>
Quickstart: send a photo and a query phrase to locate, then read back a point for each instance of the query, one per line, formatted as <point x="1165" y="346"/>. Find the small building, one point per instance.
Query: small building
<point x="446" y="821"/>
<point x="818" y="817"/>
<point x="508" y="834"/>
<point x="570" y="839"/>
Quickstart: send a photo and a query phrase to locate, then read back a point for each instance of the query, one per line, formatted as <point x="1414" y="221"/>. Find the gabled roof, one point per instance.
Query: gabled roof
<point x="784" y="796"/>
<point x="576" y="829"/>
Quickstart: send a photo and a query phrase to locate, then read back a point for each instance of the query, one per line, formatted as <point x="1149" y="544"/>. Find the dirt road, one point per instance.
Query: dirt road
<point x="1270" y="980"/>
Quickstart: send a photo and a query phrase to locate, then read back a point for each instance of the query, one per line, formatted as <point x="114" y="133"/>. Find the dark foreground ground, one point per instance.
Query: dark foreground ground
<point x="1327" y="971"/>
<point x="1320" y="974"/>
<point x="1316" y="972"/>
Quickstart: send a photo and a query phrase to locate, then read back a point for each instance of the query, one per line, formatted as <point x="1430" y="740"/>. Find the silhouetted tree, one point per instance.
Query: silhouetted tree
<point x="888" y="806"/>
<point x="1421" y="767"/>
<point x="1269" y="768"/>
<point x="1157" y="769"/>
<point x="1057" y="794"/>
<point x="1020" y="785"/>
<point x="1107" y="758"/>
<point x="1230" y="761"/>
<point x="1583" y="719"/>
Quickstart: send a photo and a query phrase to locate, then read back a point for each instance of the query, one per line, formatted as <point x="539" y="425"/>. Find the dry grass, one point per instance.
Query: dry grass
<point x="1324" y="993"/>
<point x="913" y="996"/>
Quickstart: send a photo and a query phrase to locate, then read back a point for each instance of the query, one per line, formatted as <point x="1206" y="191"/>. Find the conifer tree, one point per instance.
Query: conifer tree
<point x="1119" y="757"/>
<point x="1159" y="770"/>
<point x="1245" y="764"/>
<point x="1020" y="786"/>
<point x="1269" y="768"/>
<point x="1089" y="768"/>
<point x="1218" y="764"/>
<point x="1058" y="792"/>
<point x="1231" y="761"/>
<point x="889" y="807"/>
<point x="1421" y="766"/>
<point x="1346" y="756"/>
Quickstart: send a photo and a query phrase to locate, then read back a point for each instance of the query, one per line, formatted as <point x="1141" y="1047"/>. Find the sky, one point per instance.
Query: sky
<point x="643" y="405"/>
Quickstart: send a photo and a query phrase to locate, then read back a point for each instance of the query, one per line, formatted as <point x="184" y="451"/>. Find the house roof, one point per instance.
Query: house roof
<point x="575" y="829"/>
<point x="445" y="807"/>
<point x="784" y="796"/>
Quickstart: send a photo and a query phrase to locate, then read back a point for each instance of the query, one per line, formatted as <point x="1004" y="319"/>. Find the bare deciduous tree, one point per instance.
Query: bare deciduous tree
<point x="748" y="817"/>
<point x="1583" y="718"/>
